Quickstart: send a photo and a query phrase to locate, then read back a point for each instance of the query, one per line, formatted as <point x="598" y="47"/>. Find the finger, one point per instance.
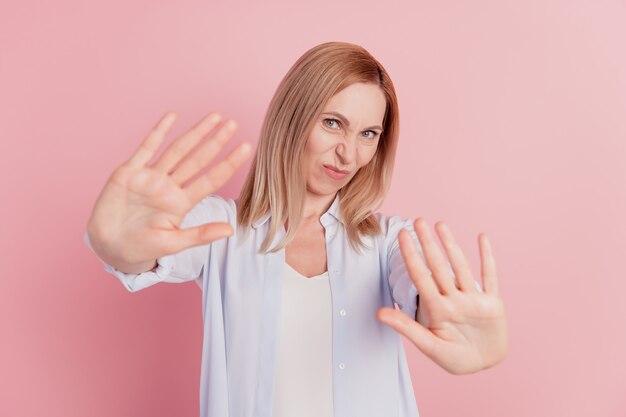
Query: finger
<point x="151" y="143"/>
<point x="219" y="174"/>
<point x="436" y="261"/>
<point x="195" y="236"/>
<point x="458" y="261"/>
<point x="421" y="337"/>
<point x="181" y="146"/>
<point x="488" y="265"/>
<point x="198" y="160"/>
<point x="419" y="273"/>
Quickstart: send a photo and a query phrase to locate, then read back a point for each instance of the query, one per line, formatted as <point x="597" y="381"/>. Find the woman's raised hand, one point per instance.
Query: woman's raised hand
<point x="462" y="329"/>
<point x="138" y="214"/>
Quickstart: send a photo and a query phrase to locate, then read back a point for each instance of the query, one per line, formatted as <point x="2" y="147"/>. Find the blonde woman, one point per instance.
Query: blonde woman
<point x="300" y="278"/>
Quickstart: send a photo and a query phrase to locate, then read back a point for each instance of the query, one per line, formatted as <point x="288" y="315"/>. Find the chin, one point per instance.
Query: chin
<point x="323" y="189"/>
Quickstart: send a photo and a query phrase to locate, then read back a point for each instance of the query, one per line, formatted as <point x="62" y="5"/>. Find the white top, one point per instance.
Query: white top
<point x="241" y="302"/>
<point x="304" y="368"/>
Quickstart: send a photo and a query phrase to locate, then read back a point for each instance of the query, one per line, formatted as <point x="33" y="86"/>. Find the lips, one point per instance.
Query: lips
<point x="341" y="171"/>
<point x="335" y="173"/>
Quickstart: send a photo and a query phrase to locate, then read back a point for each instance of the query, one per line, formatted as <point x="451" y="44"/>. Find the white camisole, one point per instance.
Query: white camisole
<point x="303" y="385"/>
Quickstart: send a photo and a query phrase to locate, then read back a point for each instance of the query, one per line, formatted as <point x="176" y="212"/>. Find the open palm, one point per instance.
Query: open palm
<point x="138" y="214"/>
<point x="461" y="328"/>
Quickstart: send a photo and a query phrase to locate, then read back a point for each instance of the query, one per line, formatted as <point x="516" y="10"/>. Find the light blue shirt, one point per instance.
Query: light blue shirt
<point x="241" y="294"/>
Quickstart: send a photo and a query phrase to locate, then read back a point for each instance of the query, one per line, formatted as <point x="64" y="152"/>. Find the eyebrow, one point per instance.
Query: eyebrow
<point x="347" y="123"/>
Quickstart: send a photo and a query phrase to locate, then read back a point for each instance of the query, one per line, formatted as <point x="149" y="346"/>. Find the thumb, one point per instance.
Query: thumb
<point x="419" y="335"/>
<point x="201" y="235"/>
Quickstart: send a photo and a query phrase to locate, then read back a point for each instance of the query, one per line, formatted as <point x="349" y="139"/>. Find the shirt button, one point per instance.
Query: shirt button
<point x="342" y="312"/>
<point x="342" y="366"/>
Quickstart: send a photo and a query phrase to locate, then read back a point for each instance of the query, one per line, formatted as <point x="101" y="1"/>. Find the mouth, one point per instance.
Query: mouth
<point x="335" y="173"/>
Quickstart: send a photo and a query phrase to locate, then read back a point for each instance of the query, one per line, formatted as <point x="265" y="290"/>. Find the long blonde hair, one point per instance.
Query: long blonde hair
<point x="275" y="184"/>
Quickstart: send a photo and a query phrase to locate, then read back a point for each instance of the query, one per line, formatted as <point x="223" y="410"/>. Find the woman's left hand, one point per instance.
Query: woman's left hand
<point x="464" y="329"/>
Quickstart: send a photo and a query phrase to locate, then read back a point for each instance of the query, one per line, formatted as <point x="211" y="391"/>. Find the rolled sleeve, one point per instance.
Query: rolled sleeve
<point x="186" y="265"/>
<point x="403" y="289"/>
<point x="136" y="282"/>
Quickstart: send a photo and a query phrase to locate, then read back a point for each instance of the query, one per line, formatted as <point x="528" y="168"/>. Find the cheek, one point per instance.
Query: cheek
<point x="312" y="153"/>
<point x="319" y="142"/>
<point x="318" y="145"/>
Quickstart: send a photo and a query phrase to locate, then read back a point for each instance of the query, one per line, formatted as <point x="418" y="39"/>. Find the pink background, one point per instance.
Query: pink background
<point x="513" y="124"/>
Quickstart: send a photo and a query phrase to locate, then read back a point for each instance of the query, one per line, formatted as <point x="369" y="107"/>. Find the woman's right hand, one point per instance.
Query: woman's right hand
<point x="137" y="217"/>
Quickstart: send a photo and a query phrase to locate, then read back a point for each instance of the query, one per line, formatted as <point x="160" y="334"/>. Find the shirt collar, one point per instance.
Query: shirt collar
<point x="333" y="210"/>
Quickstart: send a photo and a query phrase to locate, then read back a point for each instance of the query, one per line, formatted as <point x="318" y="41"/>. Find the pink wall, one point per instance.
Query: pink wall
<point x="513" y="124"/>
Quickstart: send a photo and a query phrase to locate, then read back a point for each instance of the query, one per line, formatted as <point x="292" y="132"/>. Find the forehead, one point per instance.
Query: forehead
<point x="359" y="102"/>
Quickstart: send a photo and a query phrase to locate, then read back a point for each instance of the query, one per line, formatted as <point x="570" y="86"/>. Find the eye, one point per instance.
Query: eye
<point x="372" y="135"/>
<point x="329" y="122"/>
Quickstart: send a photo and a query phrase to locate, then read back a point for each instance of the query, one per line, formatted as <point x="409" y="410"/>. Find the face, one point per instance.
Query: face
<point x="344" y="138"/>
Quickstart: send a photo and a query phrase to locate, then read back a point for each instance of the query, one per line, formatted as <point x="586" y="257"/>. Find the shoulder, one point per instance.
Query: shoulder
<point x="390" y="228"/>
<point x="391" y="225"/>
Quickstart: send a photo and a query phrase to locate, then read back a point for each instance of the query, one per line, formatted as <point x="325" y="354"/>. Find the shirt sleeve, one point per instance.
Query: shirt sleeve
<point x="403" y="290"/>
<point x="186" y="265"/>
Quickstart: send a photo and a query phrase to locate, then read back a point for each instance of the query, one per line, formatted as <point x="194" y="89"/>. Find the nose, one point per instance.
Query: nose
<point x="346" y="149"/>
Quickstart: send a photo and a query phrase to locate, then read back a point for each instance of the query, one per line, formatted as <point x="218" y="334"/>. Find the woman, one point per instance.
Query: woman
<point x="299" y="277"/>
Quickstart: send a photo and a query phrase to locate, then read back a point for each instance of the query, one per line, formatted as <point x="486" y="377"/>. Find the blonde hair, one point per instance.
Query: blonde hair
<point x="275" y="183"/>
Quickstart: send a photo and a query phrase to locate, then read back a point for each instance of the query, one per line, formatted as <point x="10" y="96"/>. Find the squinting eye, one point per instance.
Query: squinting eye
<point x="331" y="121"/>
<point x="373" y="134"/>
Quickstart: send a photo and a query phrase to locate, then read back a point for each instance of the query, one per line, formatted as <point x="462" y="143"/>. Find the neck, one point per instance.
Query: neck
<point x="315" y="205"/>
